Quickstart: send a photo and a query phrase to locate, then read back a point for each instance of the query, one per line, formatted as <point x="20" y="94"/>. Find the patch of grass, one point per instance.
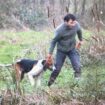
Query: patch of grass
<point x="14" y="44"/>
<point x="87" y="34"/>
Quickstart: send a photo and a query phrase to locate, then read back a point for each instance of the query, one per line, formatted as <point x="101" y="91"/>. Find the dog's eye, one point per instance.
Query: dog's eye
<point x="43" y="62"/>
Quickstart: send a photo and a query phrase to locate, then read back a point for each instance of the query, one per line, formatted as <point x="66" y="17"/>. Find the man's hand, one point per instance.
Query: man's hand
<point x="49" y="59"/>
<point x="78" y="44"/>
<point x="49" y="56"/>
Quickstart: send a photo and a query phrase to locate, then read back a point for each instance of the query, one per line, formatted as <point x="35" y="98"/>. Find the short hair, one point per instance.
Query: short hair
<point x="68" y="17"/>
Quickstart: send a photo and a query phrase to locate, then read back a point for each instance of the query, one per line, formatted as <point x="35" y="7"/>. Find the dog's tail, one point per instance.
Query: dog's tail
<point x="5" y="65"/>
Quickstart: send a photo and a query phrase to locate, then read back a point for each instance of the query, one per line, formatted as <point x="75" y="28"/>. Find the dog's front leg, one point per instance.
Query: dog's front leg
<point x="38" y="81"/>
<point x="32" y="81"/>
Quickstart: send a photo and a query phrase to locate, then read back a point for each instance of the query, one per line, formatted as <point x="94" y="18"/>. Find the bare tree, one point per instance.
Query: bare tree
<point x="83" y="7"/>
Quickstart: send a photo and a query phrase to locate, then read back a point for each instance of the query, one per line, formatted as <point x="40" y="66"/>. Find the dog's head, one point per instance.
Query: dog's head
<point x="47" y="65"/>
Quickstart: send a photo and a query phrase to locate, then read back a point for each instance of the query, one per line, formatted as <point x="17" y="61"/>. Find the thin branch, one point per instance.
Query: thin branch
<point x="48" y="11"/>
<point x="54" y="23"/>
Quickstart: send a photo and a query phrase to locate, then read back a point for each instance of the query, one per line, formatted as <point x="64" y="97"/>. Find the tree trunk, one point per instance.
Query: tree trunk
<point x="75" y="6"/>
<point x="83" y="7"/>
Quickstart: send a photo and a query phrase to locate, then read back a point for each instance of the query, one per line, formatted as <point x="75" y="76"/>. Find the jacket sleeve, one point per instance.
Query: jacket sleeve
<point x="54" y="41"/>
<point x="79" y="32"/>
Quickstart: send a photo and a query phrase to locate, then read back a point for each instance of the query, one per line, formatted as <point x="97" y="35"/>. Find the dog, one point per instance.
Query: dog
<point x="33" y="68"/>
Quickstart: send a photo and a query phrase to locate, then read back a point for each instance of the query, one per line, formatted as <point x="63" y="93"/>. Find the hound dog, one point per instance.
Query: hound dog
<point x="33" y="68"/>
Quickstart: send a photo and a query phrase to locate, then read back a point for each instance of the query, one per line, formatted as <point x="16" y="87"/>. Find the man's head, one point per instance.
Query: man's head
<point x="70" y="20"/>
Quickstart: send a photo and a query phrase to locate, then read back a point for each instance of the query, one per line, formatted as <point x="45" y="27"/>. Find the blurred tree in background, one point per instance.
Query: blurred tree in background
<point x="20" y="14"/>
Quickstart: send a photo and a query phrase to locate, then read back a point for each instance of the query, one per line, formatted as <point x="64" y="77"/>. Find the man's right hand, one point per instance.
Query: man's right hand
<point x="49" y="58"/>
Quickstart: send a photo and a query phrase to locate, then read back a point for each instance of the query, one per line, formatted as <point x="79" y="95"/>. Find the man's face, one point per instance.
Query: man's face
<point x="71" y="23"/>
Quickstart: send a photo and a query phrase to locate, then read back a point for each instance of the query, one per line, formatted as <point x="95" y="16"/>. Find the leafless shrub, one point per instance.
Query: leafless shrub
<point x="97" y="47"/>
<point x="94" y="50"/>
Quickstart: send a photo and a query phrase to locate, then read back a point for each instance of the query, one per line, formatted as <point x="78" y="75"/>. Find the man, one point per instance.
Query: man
<point x="65" y="35"/>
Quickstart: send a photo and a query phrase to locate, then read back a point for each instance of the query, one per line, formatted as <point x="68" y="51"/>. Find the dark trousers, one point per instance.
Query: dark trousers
<point x="74" y="57"/>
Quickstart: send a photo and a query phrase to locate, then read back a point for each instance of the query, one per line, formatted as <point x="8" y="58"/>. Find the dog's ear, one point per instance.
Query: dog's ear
<point x="43" y="62"/>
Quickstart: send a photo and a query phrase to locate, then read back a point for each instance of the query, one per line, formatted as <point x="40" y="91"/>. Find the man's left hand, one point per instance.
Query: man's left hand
<point x="78" y="44"/>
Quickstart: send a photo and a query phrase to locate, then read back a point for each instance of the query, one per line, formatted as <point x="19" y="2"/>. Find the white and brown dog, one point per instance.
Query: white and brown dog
<point x="33" y="68"/>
